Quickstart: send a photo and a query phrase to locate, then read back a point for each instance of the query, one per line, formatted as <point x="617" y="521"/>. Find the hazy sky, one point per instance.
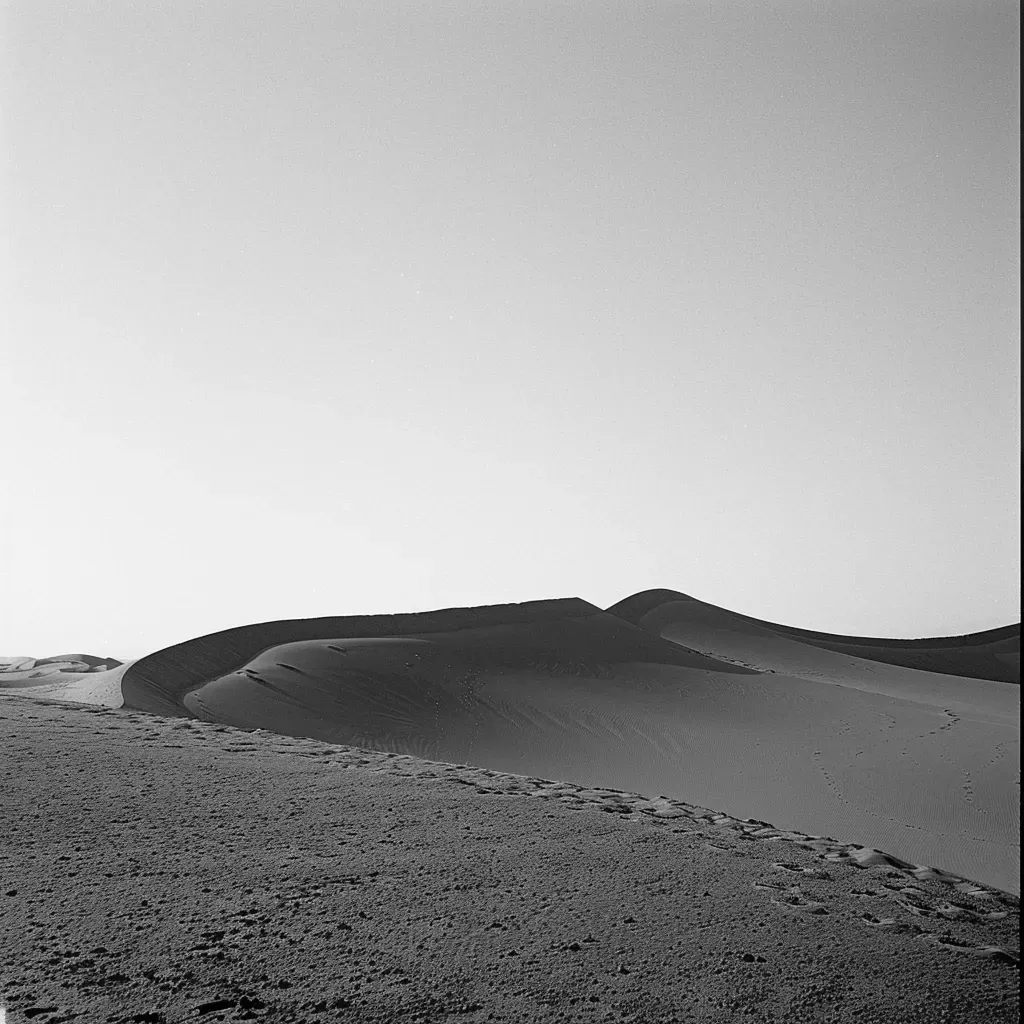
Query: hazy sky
<point x="339" y="308"/>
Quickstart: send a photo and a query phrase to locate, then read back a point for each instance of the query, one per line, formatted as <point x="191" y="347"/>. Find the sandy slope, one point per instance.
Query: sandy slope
<point x="924" y="765"/>
<point x="935" y="769"/>
<point x="58" y="679"/>
<point x="992" y="654"/>
<point x="567" y="632"/>
<point x="223" y="875"/>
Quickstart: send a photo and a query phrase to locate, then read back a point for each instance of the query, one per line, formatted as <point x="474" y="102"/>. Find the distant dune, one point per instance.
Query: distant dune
<point x="660" y="694"/>
<point x="65" y="664"/>
<point x="992" y="654"/>
<point x="80" y="678"/>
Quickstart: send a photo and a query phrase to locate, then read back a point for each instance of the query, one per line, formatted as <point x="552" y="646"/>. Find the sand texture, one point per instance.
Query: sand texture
<point x="693" y="703"/>
<point x="163" y="870"/>
<point x="502" y="814"/>
<point x="81" y="678"/>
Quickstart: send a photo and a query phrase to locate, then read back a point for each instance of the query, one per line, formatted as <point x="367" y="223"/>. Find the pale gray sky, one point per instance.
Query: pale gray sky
<point x="340" y="308"/>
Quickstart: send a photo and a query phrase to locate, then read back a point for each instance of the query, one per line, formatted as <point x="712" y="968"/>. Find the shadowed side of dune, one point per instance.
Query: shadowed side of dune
<point x="552" y="692"/>
<point x="158" y="682"/>
<point x="992" y="654"/>
<point x="558" y="634"/>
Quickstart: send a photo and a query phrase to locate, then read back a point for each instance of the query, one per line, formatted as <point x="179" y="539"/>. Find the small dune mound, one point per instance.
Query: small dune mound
<point x="865" y="857"/>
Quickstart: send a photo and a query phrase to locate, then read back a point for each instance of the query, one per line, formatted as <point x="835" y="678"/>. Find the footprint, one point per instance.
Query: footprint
<point x="891" y="924"/>
<point x="792" y="868"/>
<point x="954" y="910"/>
<point x="878" y="922"/>
<point x="797" y="902"/>
<point x="915" y="908"/>
<point x="996" y="953"/>
<point x="988" y="952"/>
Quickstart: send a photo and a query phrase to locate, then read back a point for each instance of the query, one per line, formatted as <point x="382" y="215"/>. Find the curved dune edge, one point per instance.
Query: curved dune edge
<point x="158" y="682"/>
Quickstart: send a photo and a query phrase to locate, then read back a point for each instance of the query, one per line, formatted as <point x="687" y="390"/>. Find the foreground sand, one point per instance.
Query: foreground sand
<point x="159" y="870"/>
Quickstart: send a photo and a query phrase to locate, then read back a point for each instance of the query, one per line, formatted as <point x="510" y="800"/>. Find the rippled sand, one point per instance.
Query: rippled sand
<point x="160" y="870"/>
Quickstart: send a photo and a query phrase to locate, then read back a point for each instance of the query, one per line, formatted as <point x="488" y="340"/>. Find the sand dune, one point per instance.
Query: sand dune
<point x="703" y="707"/>
<point x="555" y="632"/>
<point x="14" y="669"/>
<point x="992" y="654"/>
<point x="81" y="678"/>
<point x="509" y="821"/>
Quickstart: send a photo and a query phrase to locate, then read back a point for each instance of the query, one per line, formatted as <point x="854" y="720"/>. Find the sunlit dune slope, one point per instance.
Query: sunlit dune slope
<point x="919" y="764"/>
<point x="80" y="678"/>
<point x="13" y="669"/>
<point x="992" y="654"/>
